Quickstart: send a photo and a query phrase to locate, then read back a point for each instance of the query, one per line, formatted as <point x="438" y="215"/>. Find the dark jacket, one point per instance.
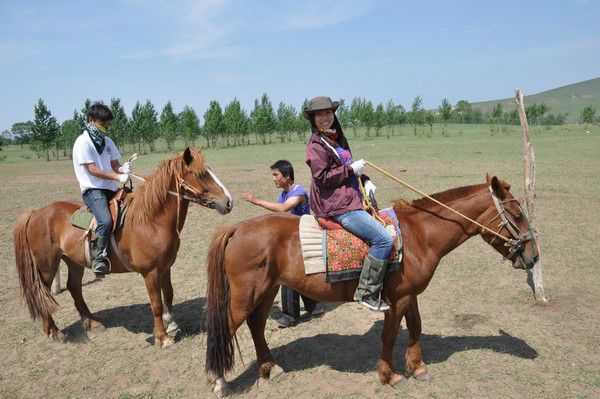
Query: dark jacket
<point x="331" y="192"/>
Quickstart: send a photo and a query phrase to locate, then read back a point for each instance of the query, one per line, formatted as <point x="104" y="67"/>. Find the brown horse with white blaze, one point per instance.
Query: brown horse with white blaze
<point x="147" y="243"/>
<point x="247" y="263"/>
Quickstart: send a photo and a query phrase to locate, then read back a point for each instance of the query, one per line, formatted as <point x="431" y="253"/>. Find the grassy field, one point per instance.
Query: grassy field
<point x="483" y="334"/>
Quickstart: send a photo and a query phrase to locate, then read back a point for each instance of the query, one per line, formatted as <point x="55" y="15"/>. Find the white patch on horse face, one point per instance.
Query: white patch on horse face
<point x="216" y="179"/>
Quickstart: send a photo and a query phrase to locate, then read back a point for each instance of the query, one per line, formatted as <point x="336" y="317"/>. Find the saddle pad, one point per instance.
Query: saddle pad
<point x="82" y="219"/>
<point x="339" y="253"/>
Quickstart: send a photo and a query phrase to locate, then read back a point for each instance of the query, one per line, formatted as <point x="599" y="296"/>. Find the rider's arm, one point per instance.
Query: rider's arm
<point x="116" y="166"/>
<point x="274" y="206"/>
<point x="97" y="172"/>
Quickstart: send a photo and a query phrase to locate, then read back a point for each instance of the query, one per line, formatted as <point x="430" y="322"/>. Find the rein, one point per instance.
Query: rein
<point x="513" y="244"/>
<point x="508" y="240"/>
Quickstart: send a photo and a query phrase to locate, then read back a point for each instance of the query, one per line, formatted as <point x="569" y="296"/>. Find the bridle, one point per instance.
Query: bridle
<point x="507" y="220"/>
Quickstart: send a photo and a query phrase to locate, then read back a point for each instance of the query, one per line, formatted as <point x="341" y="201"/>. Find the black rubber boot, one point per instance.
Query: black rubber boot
<point x="370" y="283"/>
<point x="100" y="262"/>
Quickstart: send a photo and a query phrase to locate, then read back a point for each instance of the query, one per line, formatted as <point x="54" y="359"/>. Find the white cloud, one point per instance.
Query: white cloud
<point x="320" y="14"/>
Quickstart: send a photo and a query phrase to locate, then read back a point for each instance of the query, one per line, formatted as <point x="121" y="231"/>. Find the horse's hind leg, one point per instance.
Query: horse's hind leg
<point x="74" y="286"/>
<point x="414" y="361"/>
<point x="167" y="298"/>
<point x="267" y="368"/>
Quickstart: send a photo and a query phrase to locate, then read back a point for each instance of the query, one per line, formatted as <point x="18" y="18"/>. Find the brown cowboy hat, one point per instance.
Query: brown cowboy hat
<point x="318" y="104"/>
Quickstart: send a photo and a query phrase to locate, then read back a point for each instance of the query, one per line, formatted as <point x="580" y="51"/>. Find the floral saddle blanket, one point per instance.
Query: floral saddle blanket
<point x="329" y="248"/>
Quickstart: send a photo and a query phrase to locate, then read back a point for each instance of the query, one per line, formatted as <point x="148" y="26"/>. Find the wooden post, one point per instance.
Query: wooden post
<point x="535" y="277"/>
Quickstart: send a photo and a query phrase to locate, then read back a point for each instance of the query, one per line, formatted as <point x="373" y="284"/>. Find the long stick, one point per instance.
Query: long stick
<point x="529" y="188"/>
<point x="436" y="201"/>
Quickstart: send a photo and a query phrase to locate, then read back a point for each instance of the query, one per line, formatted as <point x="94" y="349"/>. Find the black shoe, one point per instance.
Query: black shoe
<point x="100" y="267"/>
<point x="318" y="311"/>
<point x="286" y="321"/>
<point x="374" y="304"/>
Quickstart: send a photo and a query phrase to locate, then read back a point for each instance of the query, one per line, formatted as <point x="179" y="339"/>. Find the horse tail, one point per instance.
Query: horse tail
<point x="219" y="347"/>
<point x="39" y="299"/>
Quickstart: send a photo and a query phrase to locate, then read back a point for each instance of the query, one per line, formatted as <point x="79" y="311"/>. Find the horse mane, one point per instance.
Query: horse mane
<point x="150" y="198"/>
<point x="424" y="203"/>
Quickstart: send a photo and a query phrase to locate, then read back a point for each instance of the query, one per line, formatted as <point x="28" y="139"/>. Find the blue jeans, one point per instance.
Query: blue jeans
<point x="97" y="200"/>
<point x="363" y="225"/>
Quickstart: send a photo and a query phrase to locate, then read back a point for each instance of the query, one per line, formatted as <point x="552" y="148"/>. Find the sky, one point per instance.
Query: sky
<point x="192" y="52"/>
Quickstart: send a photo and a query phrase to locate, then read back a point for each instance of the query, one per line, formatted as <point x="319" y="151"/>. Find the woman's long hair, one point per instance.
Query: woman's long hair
<point x="343" y="142"/>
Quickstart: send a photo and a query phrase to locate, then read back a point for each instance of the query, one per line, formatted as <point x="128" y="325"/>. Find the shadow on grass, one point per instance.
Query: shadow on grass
<point x="138" y="318"/>
<point x="331" y="350"/>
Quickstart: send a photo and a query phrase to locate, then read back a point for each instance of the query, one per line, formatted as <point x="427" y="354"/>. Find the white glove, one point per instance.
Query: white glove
<point x="370" y="188"/>
<point x="123" y="177"/>
<point x="358" y="166"/>
<point x="127" y="167"/>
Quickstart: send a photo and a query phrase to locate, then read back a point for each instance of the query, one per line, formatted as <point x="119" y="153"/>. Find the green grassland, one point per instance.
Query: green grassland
<point x="570" y="99"/>
<point x="483" y="333"/>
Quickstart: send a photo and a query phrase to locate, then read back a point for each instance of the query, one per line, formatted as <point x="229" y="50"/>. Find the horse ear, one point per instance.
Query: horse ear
<point x="498" y="187"/>
<point x="488" y="178"/>
<point x="188" y="158"/>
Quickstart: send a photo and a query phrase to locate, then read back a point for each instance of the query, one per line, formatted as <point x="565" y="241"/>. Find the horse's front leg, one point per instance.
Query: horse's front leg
<point x="414" y="361"/>
<point x="167" y="298"/>
<point x="391" y="324"/>
<point x="153" y="286"/>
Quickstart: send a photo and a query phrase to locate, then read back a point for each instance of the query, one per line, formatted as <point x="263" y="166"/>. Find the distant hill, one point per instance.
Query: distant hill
<point x="569" y="99"/>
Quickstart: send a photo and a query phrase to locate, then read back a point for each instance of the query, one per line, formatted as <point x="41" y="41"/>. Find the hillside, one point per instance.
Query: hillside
<point x="570" y="99"/>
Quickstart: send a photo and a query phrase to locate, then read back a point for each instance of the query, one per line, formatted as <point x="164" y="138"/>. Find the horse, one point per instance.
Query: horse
<point x="147" y="243"/>
<point x="247" y="262"/>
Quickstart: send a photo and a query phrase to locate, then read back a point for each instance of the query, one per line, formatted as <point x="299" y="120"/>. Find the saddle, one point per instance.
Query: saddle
<point x="328" y="247"/>
<point x="84" y="219"/>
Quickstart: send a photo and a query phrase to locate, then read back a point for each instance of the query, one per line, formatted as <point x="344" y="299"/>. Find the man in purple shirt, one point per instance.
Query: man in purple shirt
<point x="293" y="199"/>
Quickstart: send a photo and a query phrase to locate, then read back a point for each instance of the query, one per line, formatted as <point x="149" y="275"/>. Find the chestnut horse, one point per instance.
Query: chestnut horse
<point x="247" y="263"/>
<point x="147" y="243"/>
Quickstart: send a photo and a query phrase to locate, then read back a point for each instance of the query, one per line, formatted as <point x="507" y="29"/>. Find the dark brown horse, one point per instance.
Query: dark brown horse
<point x="248" y="262"/>
<point x="147" y="244"/>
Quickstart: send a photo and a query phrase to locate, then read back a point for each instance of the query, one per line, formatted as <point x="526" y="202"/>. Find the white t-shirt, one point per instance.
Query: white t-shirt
<point x="85" y="152"/>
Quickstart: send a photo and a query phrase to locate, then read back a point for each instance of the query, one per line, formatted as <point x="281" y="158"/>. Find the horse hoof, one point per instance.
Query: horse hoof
<point x="166" y="342"/>
<point x="220" y="388"/>
<point x="422" y="374"/>
<point x="58" y="336"/>
<point x="397" y="381"/>
<point x="276" y="371"/>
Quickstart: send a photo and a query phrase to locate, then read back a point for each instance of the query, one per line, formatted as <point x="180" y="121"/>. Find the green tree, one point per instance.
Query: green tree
<point x="236" y="122"/>
<point x="355" y="117"/>
<point x="416" y="116"/>
<point x="213" y="123"/>
<point x="150" y="127"/>
<point x="495" y="118"/>
<point x="587" y="115"/>
<point x="378" y="119"/>
<point x="302" y="125"/>
<point x="263" y="119"/>
<point x="83" y="113"/>
<point x="22" y="132"/>
<point x="189" y="126"/>
<point x="445" y="110"/>
<point x="45" y="130"/>
<point x="286" y="120"/>
<point x="463" y="112"/>
<point x="119" y="128"/>
<point x="69" y="131"/>
<point x="169" y="125"/>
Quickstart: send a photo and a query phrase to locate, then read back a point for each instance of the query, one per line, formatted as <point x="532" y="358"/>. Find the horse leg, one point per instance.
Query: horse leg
<point x="74" y="287"/>
<point x="48" y="269"/>
<point x="414" y="361"/>
<point x="267" y="368"/>
<point x="167" y="298"/>
<point x="153" y="286"/>
<point x="391" y="324"/>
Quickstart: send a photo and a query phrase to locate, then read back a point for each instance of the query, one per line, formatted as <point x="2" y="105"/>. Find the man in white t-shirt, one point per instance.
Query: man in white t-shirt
<point x="97" y="167"/>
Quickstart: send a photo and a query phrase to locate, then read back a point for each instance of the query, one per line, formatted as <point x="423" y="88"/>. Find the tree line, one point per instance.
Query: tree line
<point x="234" y="126"/>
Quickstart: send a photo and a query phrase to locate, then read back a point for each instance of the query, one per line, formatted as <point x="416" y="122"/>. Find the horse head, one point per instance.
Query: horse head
<point x="199" y="184"/>
<point x="509" y="219"/>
